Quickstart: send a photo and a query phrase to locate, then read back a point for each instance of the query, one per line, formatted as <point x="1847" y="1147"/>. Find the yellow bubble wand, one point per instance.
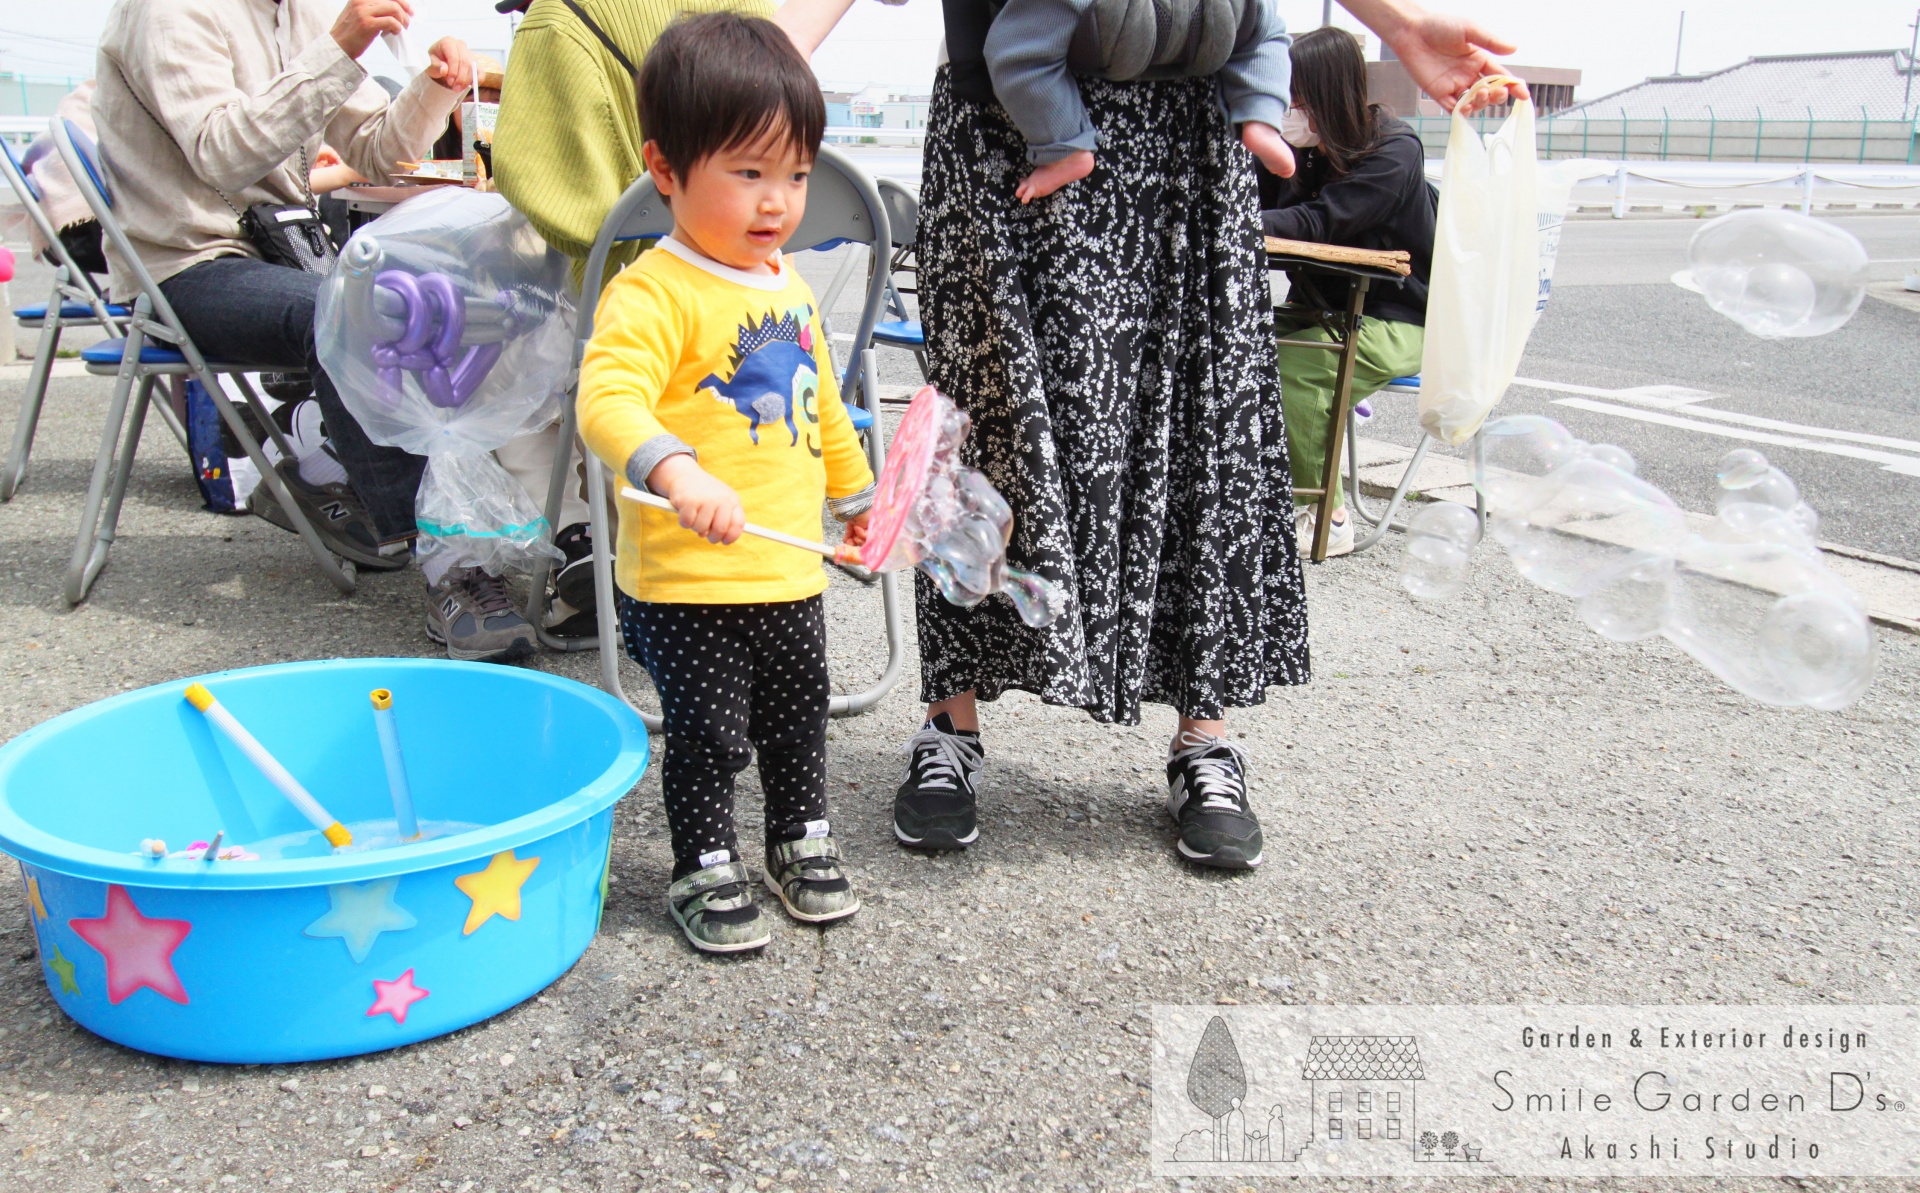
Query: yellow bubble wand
<point x="218" y="716"/>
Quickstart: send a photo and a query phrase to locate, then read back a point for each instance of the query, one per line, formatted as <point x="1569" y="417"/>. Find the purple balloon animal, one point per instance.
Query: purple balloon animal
<point x="434" y="320"/>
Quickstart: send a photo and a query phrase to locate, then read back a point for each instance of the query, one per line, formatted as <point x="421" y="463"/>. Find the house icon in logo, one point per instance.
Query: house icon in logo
<point x="1363" y="1088"/>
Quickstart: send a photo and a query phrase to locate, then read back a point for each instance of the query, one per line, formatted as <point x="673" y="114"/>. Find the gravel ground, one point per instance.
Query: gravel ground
<point x="1477" y="803"/>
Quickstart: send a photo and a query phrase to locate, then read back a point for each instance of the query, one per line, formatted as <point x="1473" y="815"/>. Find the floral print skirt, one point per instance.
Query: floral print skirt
<point x="1113" y="345"/>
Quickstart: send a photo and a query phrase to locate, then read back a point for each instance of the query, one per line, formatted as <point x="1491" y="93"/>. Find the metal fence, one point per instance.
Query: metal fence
<point x="1720" y="138"/>
<point x="33" y="95"/>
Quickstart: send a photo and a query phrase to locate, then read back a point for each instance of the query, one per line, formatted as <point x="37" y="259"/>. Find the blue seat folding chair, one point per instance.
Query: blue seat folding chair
<point x="843" y="206"/>
<point x="155" y="346"/>
<point x="897" y="328"/>
<point x="74" y="301"/>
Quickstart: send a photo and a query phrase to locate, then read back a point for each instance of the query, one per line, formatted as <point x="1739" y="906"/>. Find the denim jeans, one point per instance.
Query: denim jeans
<point x="245" y="311"/>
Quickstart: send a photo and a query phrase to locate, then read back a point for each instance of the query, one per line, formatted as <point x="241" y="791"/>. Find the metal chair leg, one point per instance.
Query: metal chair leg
<point x="854" y="703"/>
<point x="104" y="534"/>
<point x="605" y="613"/>
<point x="82" y="568"/>
<point x="163" y="406"/>
<point x="1385" y="521"/>
<point x="34" y="396"/>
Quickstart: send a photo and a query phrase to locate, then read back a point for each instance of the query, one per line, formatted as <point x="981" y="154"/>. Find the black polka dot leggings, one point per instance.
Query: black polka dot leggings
<point x="733" y="680"/>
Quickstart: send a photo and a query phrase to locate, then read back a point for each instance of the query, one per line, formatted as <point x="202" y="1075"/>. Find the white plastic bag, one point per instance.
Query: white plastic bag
<point x="1486" y="285"/>
<point x="447" y="326"/>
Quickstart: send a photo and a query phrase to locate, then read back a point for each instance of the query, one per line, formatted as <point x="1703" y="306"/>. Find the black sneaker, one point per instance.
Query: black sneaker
<point x="335" y="512"/>
<point x="1207" y="796"/>
<point x="934" y="807"/>
<point x="573" y="582"/>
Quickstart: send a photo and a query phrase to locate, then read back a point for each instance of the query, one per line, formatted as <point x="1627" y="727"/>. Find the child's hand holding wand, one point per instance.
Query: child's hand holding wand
<point x="706" y="505"/>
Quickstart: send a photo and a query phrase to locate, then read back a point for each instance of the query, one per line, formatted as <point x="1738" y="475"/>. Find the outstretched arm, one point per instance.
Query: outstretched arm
<point x="808" y="22"/>
<point x="1443" y="53"/>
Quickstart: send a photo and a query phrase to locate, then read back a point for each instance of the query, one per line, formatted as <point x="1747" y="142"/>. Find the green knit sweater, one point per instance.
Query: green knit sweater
<point x="566" y="144"/>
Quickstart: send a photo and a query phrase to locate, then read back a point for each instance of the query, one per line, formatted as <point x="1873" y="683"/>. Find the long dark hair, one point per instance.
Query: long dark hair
<point x="1330" y="82"/>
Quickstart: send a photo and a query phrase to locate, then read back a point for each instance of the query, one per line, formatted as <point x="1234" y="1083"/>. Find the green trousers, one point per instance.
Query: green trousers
<point x="1388" y="349"/>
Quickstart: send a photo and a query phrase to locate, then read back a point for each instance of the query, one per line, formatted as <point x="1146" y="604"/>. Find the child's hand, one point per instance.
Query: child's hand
<point x="1264" y="142"/>
<point x="855" y="533"/>
<point x="706" y="505"/>
<point x="1051" y="177"/>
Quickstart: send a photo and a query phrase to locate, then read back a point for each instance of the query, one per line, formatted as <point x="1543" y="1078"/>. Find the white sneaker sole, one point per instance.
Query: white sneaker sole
<point x="918" y="842"/>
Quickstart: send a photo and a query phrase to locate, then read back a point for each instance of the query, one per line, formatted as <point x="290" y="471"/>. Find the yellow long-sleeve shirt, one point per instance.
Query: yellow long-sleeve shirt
<point x="687" y="351"/>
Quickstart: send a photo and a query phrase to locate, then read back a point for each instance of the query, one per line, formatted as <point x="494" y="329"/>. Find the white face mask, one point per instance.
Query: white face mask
<point x="1296" y="129"/>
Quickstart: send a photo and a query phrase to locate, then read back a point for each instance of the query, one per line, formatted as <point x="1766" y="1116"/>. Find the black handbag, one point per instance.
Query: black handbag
<point x="290" y="235"/>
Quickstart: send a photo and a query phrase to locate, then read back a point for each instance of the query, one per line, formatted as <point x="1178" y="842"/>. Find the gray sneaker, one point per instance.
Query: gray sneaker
<point x="469" y="613"/>
<point x="714" y="907"/>
<point x="806" y="875"/>
<point x="337" y="514"/>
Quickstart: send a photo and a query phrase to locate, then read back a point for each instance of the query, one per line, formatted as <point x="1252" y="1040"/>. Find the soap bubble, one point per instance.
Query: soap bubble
<point x="1779" y="273"/>
<point x="1748" y="596"/>
<point x="1440" y="541"/>
<point x="1740" y="468"/>
<point x="1588" y="518"/>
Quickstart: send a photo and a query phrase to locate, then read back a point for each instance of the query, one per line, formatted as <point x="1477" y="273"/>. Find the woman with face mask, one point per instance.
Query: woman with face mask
<point x="1360" y="182"/>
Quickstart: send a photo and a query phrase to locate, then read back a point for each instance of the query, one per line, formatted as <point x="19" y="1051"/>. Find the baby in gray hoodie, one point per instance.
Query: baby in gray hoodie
<point x="1036" y="47"/>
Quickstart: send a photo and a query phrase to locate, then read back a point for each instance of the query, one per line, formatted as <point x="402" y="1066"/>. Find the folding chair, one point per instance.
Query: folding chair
<point x="155" y="346"/>
<point x="843" y="206"/>
<point x="74" y="301"/>
<point x="900" y="329"/>
<point x="1399" y="387"/>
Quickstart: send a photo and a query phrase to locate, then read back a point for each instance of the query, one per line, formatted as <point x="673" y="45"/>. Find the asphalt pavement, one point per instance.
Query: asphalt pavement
<point x="1474" y="802"/>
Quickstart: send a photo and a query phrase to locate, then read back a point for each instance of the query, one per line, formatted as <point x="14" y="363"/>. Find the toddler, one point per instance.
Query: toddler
<point x="1036" y="47"/>
<point x="709" y="382"/>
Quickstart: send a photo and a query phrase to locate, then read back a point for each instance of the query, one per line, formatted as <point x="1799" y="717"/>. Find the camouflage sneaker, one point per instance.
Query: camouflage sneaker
<point x="469" y="613"/>
<point x="714" y="908"/>
<point x="806" y="875"/>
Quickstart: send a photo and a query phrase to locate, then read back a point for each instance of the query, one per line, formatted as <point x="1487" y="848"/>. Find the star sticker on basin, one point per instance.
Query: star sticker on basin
<point x="361" y="912"/>
<point x="138" y="950"/>
<point x="395" y="997"/>
<point x="33" y="897"/>
<point x="496" y="889"/>
<point x="63" y="968"/>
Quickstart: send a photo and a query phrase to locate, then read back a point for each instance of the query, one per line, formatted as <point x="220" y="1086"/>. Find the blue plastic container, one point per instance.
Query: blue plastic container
<point x="302" y="958"/>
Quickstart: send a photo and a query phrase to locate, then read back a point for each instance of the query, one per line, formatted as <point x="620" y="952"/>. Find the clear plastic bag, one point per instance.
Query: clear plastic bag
<point x="447" y="328"/>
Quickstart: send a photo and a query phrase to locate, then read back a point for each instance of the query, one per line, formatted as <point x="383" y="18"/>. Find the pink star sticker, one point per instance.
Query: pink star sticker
<point x="395" y="997"/>
<point x="138" y="951"/>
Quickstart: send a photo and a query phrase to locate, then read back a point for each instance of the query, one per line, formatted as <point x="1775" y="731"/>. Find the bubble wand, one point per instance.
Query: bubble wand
<point x="396" y="764"/>
<point x="218" y="716"/>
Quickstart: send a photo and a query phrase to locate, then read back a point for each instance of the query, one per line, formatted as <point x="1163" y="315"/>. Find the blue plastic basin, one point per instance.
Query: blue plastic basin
<point x="277" y="959"/>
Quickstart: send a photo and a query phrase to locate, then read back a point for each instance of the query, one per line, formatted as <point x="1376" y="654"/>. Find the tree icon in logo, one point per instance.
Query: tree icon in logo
<point x="1217" y="1081"/>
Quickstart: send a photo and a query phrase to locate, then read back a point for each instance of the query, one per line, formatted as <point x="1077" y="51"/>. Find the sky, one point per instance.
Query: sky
<point x="1615" y="44"/>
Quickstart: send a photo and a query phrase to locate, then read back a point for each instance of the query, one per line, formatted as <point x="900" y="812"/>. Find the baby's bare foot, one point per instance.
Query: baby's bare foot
<point x="1051" y="177"/>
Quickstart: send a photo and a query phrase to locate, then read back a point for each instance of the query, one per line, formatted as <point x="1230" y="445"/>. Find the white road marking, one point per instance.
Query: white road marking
<point x="1904" y="465"/>
<point x="1660" y="397"/>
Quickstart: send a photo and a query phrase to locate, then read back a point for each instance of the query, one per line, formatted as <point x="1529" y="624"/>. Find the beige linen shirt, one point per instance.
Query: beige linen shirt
<point x="239" y="88"/>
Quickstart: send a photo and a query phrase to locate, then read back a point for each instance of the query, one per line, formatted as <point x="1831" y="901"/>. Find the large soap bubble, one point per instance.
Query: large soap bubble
<point x="1779" y="273"/>
<point x="1747" y="595"/>
<point x="932" y="512"/>
<point x="1440" y="541"/>
<point x="447" y="327"/>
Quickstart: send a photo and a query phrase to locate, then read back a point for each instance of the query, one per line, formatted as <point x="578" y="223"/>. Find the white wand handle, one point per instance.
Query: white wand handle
<point x="218" y="716"/>
<point x="777" y="536"/>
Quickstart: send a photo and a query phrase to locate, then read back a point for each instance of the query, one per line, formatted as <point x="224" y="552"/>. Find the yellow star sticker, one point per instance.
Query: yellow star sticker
<point x="33" y="897"/>
<point x="64" y="969"/>
<point x="496" y="889"/>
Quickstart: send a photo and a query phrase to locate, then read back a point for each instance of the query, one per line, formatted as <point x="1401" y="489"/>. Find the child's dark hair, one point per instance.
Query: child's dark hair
<point x="720" y="80"/>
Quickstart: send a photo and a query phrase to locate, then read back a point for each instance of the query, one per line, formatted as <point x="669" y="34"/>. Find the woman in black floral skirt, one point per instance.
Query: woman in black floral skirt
<point x="1112" y="343"/>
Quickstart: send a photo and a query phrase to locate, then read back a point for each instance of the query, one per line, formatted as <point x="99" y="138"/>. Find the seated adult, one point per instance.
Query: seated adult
<point x="1360" y="181"/>
<point x="206" y="107"/>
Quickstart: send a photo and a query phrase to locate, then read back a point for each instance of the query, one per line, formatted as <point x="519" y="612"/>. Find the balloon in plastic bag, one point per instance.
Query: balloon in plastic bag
<point x="447" y="327"/>
<point x="1747" y="595"/>
<point x="932" y="512"/>
<point x="1779" y="273"/>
